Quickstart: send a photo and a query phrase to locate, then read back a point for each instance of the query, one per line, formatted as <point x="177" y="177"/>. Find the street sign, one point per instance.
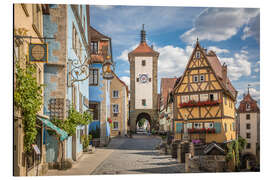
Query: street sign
<point x="38" y="52"/>
<point x="36" y="149"/>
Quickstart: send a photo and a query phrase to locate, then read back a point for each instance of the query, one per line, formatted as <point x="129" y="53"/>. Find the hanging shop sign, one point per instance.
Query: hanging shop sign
<point x="38" y="52"/>
<point x="107" y="72"/>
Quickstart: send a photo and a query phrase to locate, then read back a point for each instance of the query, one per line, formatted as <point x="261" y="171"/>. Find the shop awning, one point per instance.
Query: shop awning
<point x="63" y="134"/>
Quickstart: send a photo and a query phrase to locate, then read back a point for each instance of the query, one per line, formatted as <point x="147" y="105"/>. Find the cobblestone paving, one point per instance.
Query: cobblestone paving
<point x="138" y="155"/>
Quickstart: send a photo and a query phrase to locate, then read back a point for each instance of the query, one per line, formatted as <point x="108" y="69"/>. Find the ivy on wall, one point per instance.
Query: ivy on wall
<point x="28" y="99"/>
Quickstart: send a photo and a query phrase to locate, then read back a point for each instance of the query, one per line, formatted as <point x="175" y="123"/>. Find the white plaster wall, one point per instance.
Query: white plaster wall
<point x="143" y="91"/>
<point x="252" y="130"/>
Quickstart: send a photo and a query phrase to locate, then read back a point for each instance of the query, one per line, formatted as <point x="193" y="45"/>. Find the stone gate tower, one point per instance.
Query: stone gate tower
<point x="143" y="83"/>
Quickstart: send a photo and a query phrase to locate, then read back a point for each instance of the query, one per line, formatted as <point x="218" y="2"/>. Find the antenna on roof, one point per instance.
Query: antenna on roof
<point x="143" y="34"/>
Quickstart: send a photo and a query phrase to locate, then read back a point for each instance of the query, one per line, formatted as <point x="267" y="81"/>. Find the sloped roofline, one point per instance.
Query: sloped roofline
<point x="204" y="55"/>
<point x="121" y="82"/>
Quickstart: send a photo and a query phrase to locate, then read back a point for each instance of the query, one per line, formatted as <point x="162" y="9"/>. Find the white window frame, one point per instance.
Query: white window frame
<point x="189" y="125"/>
<point x="198" y="54"/>
<point x="195" y="77"/>
<point x="91" y="76"/>
<point x="184" y="99"/>
<point x="114" y="110"/>
<point x="198" y="125"/>
<point x="194" y="97"/>
<point x="113" y="94"/>
<point x="202" y="76"/>
<point x="209" y="125"/>
<point x="204" y="97"/>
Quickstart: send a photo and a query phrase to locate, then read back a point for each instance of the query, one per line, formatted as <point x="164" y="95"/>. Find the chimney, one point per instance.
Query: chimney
<point x="224" y="73"/>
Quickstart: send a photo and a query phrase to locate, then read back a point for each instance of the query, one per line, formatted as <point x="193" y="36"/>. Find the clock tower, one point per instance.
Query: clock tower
<point x="143" y="83"/>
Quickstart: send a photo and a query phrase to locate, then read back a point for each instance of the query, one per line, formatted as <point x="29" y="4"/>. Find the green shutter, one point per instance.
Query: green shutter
<point x="178" y="127"/>
<point x="217" y="126"/>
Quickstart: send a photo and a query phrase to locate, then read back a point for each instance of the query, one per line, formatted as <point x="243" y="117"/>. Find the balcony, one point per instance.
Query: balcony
<point x="200" y="103"/>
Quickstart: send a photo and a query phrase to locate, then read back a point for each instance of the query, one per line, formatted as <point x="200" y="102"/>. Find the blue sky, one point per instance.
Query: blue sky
<point x="233" y="33"/>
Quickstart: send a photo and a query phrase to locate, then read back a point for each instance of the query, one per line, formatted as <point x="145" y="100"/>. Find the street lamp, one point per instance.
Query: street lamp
<point x="107" y="71"/>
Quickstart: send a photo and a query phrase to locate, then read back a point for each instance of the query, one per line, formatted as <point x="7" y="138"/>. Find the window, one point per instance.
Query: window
<point x="248" y="126"/>
<point x="198" y="54"/>
<point x="143" y="102"/>
<point x="195" y="78"/>
<point x="209" y="125"/>
<point x="201" y="78"/>
<point x="248" y="106"/>
<point x="149" y="79"/>
<point x="94" y="109"/>
<point x="184" y="99"/>
<point x="115" y="94"/>
<point x="138" y="79"/>
<point x="225" y="127"/>
<point x="198" y="125"/>
<point x="94" y="47"/>
<point x="248" y="135"/>
<point x="74" y="39"/>
<point x="194" y="97"/>
<point x="248" y="145"/>
<point x="143" y="62"/>
<point x="115" y="125"/>
<point x="203" y="97"/>
<point x="115" y="108"/>
<point x="189" y="125"/>
<point x="211" y="97"/>
<point x="93" y="77"/>
<point x="248" y="116"/>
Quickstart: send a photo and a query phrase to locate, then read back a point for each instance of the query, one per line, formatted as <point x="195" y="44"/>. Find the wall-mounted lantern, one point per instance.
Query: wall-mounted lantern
<point x="107" y="69"/>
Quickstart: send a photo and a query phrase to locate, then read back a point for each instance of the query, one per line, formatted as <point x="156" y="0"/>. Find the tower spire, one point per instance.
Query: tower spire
<point x="248" y="87"/>
<point x="143" y="34"/>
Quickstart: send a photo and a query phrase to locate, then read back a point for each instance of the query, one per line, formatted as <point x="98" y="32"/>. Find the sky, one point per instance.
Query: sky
<point x="233" y="33"/>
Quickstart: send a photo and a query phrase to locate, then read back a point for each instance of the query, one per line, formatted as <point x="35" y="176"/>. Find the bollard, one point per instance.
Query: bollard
<point x="187" y="157"/>
<point x="179" y="153"/>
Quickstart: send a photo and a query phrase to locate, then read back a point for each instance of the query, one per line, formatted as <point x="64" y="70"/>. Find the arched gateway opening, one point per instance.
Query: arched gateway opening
<point x="143" y="122"/>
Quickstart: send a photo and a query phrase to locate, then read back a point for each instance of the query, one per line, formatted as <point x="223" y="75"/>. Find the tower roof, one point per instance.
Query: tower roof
<point x="143" y="48"/>
<point x="247" y="99"/>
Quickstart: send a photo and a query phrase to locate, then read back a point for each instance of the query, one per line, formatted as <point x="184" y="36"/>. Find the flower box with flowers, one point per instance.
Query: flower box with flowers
<point x="210" y="130"/>
<point x="109" y="120"/>
<point x="193" y="103"/>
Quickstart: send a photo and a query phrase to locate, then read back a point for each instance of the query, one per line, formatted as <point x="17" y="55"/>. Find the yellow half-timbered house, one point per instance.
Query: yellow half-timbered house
<point x="205" y="99"/>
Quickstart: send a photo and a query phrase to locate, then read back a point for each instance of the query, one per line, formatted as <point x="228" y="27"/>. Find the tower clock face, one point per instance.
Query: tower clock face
<point x="143" y="78"/>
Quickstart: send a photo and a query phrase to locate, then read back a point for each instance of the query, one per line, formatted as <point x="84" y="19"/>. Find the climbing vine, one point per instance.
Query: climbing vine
<point x="28" y="99"/>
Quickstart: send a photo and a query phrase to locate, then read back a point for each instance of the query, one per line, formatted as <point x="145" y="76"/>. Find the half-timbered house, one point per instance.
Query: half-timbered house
<point x="204" y="99"/>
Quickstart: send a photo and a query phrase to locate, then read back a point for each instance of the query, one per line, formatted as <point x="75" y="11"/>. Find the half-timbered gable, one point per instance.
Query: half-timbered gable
<point x="204" y="95"/>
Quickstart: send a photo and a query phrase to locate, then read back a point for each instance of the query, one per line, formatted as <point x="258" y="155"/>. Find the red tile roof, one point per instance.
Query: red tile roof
<point x="167" y="85"/>
<point x="143" y="48"/>
<point x="248" y="100"/>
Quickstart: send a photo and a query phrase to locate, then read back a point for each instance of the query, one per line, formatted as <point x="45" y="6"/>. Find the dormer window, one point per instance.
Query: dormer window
<point x="195" y="78"/>
<point x="198" y="55"/>
<point x="202" y="78"/>
<point x="248" y="106"/>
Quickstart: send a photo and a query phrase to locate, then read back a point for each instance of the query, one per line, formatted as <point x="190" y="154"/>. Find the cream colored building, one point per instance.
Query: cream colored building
<point x="28" y="21"/>
<point x="119" y="107"/>
<point x="248" y="114"/>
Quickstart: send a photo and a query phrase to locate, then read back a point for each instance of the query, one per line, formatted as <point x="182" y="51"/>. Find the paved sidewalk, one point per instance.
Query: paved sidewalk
<point x="88" y="162"/>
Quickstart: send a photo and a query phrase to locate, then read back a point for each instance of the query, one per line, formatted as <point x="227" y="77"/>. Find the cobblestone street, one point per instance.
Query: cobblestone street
<point x="138" y="155"/>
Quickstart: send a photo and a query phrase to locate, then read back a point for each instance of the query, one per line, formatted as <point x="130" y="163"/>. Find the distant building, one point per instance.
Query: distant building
<point x="166" y="108"/>
<point x="248" y="122"/>
<point x="99" y="88"/>
<point x="205" y="98"/>
<point x="119" y="107"/>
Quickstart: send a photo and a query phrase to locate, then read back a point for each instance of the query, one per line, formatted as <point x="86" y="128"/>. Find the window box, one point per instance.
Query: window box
<point x="200" y="103"/>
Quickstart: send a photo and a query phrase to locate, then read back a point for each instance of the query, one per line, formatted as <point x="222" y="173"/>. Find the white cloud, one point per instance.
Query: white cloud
<point x="124" y="55"/>
<point x="238" y="65"/>
<point x="218" y="24"/>
<point x="252" y="29"/>
<point x="255" y="94"/>
<point x="104" y="7"/>
<point x="218" y="50"/>
<point x="126" y="80"/>
<point x="172" y="60"/>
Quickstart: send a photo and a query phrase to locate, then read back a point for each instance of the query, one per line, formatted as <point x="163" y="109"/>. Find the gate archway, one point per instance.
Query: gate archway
<point x="146" y="116"/>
